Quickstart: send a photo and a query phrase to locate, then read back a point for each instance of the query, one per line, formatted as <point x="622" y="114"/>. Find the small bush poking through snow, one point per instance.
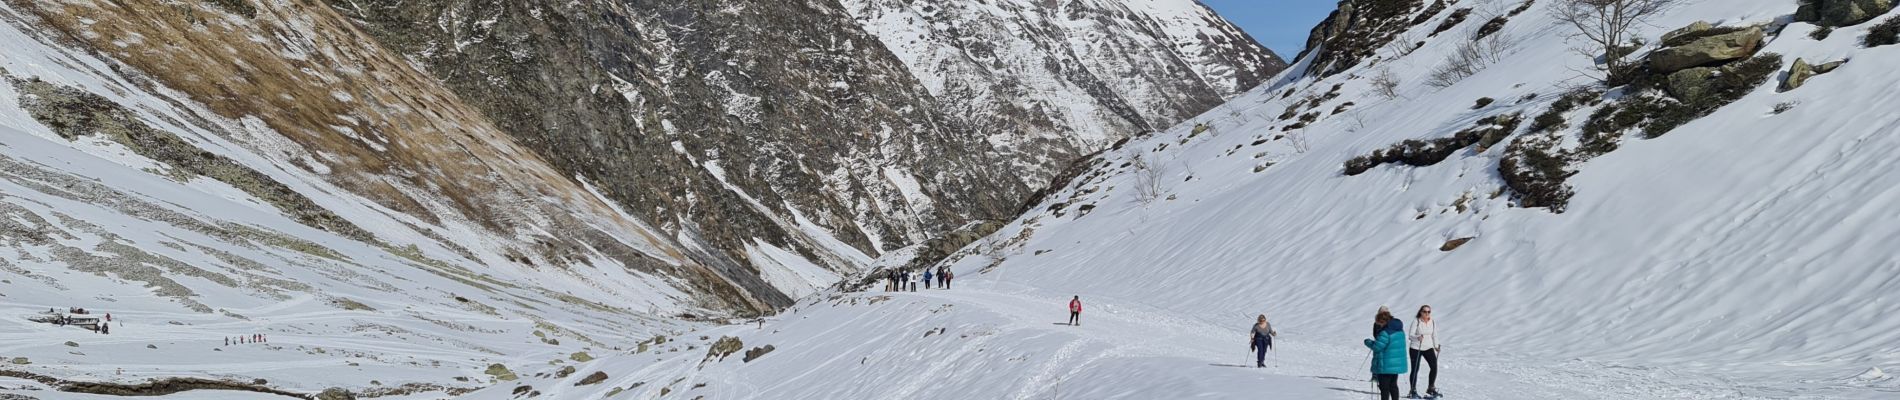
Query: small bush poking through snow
<point x="1522" y="7"/>
<point x="1821" y="33"/>
<point x="1432" y="11"/>
<point x="1535" y="172"/>
<point x="1553" y="119"/>
<point x="1492" y="26"/>
<point x="1886" y="33"/>
<point x="1785" y="106"/>
<point x="1482" y="102"/>
<point x="1453" y="20"/>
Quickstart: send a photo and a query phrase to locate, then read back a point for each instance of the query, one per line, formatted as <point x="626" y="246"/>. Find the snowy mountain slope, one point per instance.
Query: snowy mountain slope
<point x="1741" y="255"/>
<point x="127" y="197"/>
<point x="354" y="118"/>
<point x="1051" y="82"/>
<point x="1743" y="244"/>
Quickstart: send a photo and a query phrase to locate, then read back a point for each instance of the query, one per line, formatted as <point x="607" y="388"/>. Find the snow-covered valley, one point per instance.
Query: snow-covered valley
<point x="1741" y="254"/>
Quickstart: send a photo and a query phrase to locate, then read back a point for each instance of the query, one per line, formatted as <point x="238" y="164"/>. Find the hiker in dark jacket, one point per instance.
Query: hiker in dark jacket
<point x="927" y="277"/>
<point x="1262" y="340"/>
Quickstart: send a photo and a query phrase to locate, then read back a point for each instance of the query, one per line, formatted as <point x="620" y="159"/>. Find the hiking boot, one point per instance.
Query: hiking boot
<point x="1413" y="395"/>
<point x="1432" y="392"/>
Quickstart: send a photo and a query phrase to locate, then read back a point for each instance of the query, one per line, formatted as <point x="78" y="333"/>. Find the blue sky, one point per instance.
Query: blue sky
<point x="1281" y="25"/>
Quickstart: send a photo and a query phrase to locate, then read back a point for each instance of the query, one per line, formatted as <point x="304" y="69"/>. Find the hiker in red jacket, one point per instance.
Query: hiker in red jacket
<point x="1075" y="311"/>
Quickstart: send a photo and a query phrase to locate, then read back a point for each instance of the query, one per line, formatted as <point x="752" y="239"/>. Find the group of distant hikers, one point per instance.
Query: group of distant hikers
<point x="254" y="338"/>
<point x="905" y="281"/>
<point x="1391" y="347"/>
<point x="1389" y="344"/>
<point x="96" y="324"/>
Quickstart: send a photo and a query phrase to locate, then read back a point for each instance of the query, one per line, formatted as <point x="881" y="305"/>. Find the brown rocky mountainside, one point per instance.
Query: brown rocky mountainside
<point x="686" y="139"/>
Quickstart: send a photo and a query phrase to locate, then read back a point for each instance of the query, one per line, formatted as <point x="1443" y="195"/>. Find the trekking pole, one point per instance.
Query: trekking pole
<point x="1369" y="383"/>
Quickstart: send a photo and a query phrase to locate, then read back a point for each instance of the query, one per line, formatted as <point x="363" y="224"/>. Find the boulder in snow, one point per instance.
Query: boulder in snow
<point x="757" y="352"/>
<point x="1841" y="12"/>
<point x="1689" y="83"/>
<point x="1713" y="49"/>
<point x="500" y="372"/>
<point x="724" y="347"/>
<point x="1684" y="32"/>
<point x="336" y="394"/>
<point x="596" y="377"/>
<point x="1799" y="73"/>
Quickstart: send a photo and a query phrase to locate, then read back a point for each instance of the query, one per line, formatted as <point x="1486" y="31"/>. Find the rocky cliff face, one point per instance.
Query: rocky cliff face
<point x="871" y="125"/>
<point x="1049" y="81"/>
<point x="1357" y="29"/>
<point x="743" y="151"/>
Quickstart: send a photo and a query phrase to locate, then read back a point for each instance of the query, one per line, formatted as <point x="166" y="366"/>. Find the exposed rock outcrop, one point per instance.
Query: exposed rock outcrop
<point x="1841" y="12"/>
<point x="1356" y="30"/>
<point x="1712" y="49"/>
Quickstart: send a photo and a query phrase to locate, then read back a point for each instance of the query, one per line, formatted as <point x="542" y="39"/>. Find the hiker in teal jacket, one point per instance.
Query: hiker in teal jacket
<point x="1388" y="354"/>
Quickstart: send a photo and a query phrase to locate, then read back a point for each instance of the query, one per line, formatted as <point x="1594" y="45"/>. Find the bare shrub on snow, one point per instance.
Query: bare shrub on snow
<point x="1147" y="180"/>
<point x="1386" y="84"/>
<point x="1472" y="56"/>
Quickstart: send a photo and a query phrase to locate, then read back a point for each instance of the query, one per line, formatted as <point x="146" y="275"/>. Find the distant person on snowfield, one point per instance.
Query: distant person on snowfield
<point x="943" y="278"/>
<point x="948" y="276"/>
<point x="1424" y="343"/>
<point x="927" y="278"/>
<point x="1075" y="311"/>
<point x="1262" y="340"/>
<point x="1388" y="354"/>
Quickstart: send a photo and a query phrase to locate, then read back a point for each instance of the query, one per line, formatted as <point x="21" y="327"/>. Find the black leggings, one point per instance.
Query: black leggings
<point x="1431" y="357"/>
<point x="1388" y="386"/>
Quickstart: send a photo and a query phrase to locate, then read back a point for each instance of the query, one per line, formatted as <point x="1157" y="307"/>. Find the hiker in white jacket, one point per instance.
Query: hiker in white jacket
<point x="1424" y="343"/>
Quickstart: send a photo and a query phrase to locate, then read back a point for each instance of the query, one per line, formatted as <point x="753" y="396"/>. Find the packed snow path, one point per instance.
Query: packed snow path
<point x="1003" y="341"/>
